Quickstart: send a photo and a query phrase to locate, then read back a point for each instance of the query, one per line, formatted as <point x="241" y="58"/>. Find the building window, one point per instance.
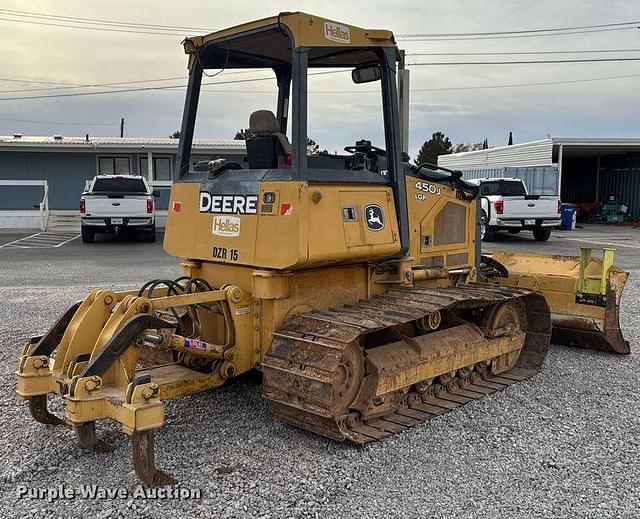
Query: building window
<point x="114" y="166"/>
<point x="161" y="168"/>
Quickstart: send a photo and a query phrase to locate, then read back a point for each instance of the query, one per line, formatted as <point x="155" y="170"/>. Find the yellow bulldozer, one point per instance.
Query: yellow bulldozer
<point x="354" y="282"/>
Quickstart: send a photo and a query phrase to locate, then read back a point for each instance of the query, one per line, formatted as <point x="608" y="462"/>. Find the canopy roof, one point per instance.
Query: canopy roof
<point x="267" y="43"/>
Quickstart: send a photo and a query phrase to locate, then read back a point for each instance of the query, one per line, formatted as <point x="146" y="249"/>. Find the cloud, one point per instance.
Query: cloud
<point x="605" y="108"/>
<point x="442" y="109"/>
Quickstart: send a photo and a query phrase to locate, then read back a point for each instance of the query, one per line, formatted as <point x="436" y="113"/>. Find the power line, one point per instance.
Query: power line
<point x="516" y="85"/>
<point x="510" y="36"/>
<point x="522" y="31"/>
<point x="74" y="22"/>
<point x="31" y="14"/>
<point x="522" y="62"/>
<point x="439" y="89"/>
<point x="67" y="26"/>
<point x="513" y="53"/>
<point x="146" y="89"/>
<point x="34" y="81"/>
<point x="94" y="85"/>
<point x="252" y="92"/>
<point x="56" y="122"/>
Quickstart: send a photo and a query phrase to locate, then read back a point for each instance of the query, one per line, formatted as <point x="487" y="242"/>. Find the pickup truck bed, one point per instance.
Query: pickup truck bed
<point x="506" y="205"/>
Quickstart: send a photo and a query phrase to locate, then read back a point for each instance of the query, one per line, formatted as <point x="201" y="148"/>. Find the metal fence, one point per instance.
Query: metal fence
<point x="540" y="180"/>
<point x="42" y="207"/>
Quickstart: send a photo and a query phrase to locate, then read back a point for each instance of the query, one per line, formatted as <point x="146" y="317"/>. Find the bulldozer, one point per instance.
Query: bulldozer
<point x="353" y="282"/>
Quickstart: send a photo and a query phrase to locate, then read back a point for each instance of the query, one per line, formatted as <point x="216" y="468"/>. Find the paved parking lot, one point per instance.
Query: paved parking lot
<point x="564" y="444"/>
<point x="624" y="239"/>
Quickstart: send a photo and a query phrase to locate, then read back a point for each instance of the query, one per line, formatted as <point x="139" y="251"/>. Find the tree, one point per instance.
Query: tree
<point x="439" y="144"/>
<point x="313" y="148"/>
<point x="175" y="135"/>
<point x="467" y="146"/>
<point x="243" y="134"/>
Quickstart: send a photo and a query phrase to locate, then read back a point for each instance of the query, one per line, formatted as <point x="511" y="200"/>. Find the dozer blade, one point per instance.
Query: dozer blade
<point x="583" y="293"/>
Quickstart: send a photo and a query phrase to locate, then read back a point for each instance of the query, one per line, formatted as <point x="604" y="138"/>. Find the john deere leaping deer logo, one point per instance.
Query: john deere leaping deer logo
<point x="373" y="217"/>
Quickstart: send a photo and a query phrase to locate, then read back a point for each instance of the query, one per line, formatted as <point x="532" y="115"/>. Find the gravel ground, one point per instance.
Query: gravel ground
<point x="564" y="444"/>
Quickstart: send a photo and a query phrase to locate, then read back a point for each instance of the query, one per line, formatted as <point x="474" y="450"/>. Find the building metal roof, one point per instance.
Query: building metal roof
<point x="60" y="143"/>
<point x="538" y="153"/>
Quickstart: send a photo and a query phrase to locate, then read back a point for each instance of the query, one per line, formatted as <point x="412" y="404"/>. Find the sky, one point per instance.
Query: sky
<point x="467" y="102"/>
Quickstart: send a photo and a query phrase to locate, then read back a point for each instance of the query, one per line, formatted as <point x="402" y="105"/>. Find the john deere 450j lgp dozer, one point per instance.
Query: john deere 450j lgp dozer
<point x="353" y="282"/>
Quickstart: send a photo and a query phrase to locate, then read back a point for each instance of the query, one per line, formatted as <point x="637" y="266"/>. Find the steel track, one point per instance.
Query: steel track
<point x="303" y="369"/>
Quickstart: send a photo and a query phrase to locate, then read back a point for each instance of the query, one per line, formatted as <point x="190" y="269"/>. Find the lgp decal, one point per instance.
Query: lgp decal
<point x="337" y="32"/>
<point x="373" y="217"/>
<point x="228" y="226"/>
<point x="228" y="204"/>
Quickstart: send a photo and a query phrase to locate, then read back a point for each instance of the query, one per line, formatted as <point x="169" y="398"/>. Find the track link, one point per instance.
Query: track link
<point x="314" y="355"/>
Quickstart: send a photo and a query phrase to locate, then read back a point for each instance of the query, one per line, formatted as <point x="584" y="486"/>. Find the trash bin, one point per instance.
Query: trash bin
<point x="568" y="216"/>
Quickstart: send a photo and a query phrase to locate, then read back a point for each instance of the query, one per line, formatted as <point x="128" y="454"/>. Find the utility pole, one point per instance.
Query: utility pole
<point x="122" y="128"/>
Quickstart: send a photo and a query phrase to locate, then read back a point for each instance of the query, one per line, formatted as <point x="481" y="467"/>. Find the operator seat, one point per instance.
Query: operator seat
<point x="267" y="147"/>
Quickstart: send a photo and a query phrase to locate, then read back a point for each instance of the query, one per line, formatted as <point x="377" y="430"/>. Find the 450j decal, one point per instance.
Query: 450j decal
<point x="426" y="188"/>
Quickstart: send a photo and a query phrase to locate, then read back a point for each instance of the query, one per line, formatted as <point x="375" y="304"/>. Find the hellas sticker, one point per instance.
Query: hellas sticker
<point x="337" y="32"/>
<point x="228" y="226"/>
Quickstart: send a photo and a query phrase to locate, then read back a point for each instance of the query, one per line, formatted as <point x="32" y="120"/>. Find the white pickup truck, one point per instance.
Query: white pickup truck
<point x="507" y="206"/>
<point x="116" y="203"/>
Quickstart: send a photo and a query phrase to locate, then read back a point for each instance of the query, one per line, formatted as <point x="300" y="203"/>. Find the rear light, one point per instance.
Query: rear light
<point x="559" y="205"/>
<point x="499" y="206"/>
<point x="288" y="160"/>
<point x="149" y="206"/>
<point x="83" y="207"/>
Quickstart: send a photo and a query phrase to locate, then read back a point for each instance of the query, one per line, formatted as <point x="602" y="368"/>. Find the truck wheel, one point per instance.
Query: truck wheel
<point x="87" y="234"/>
<point x="541" y="234"/>
<point x="150" y="235"/>
<point x="486" y="231"/>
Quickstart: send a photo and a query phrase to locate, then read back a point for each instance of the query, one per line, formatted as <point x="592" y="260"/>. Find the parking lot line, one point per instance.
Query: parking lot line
<point x="41" y="240"/>
<point x="67" y="241"/>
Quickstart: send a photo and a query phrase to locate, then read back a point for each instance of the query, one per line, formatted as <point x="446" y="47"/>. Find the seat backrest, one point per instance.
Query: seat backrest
<point x="267" y="145"/>
<point x="262" y="152"/>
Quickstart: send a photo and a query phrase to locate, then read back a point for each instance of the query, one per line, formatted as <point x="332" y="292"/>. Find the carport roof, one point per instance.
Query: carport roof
<point x="539" y="153"/>
<point x="60" y="143"/>
<point x="579" y="146"/>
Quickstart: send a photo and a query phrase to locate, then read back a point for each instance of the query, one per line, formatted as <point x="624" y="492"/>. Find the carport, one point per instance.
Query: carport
<point x="590" y="170"/>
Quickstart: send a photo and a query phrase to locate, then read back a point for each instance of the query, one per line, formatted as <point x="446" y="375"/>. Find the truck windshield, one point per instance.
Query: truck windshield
<point x="119" y="185"/>
<point x="503" y="188"/>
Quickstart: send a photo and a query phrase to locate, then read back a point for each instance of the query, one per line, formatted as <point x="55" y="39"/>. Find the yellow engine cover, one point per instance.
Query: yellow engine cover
<point x="283" y="224"/>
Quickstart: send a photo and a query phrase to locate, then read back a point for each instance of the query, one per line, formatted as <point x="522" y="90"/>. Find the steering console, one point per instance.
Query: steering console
<point x="365" y="156"/>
